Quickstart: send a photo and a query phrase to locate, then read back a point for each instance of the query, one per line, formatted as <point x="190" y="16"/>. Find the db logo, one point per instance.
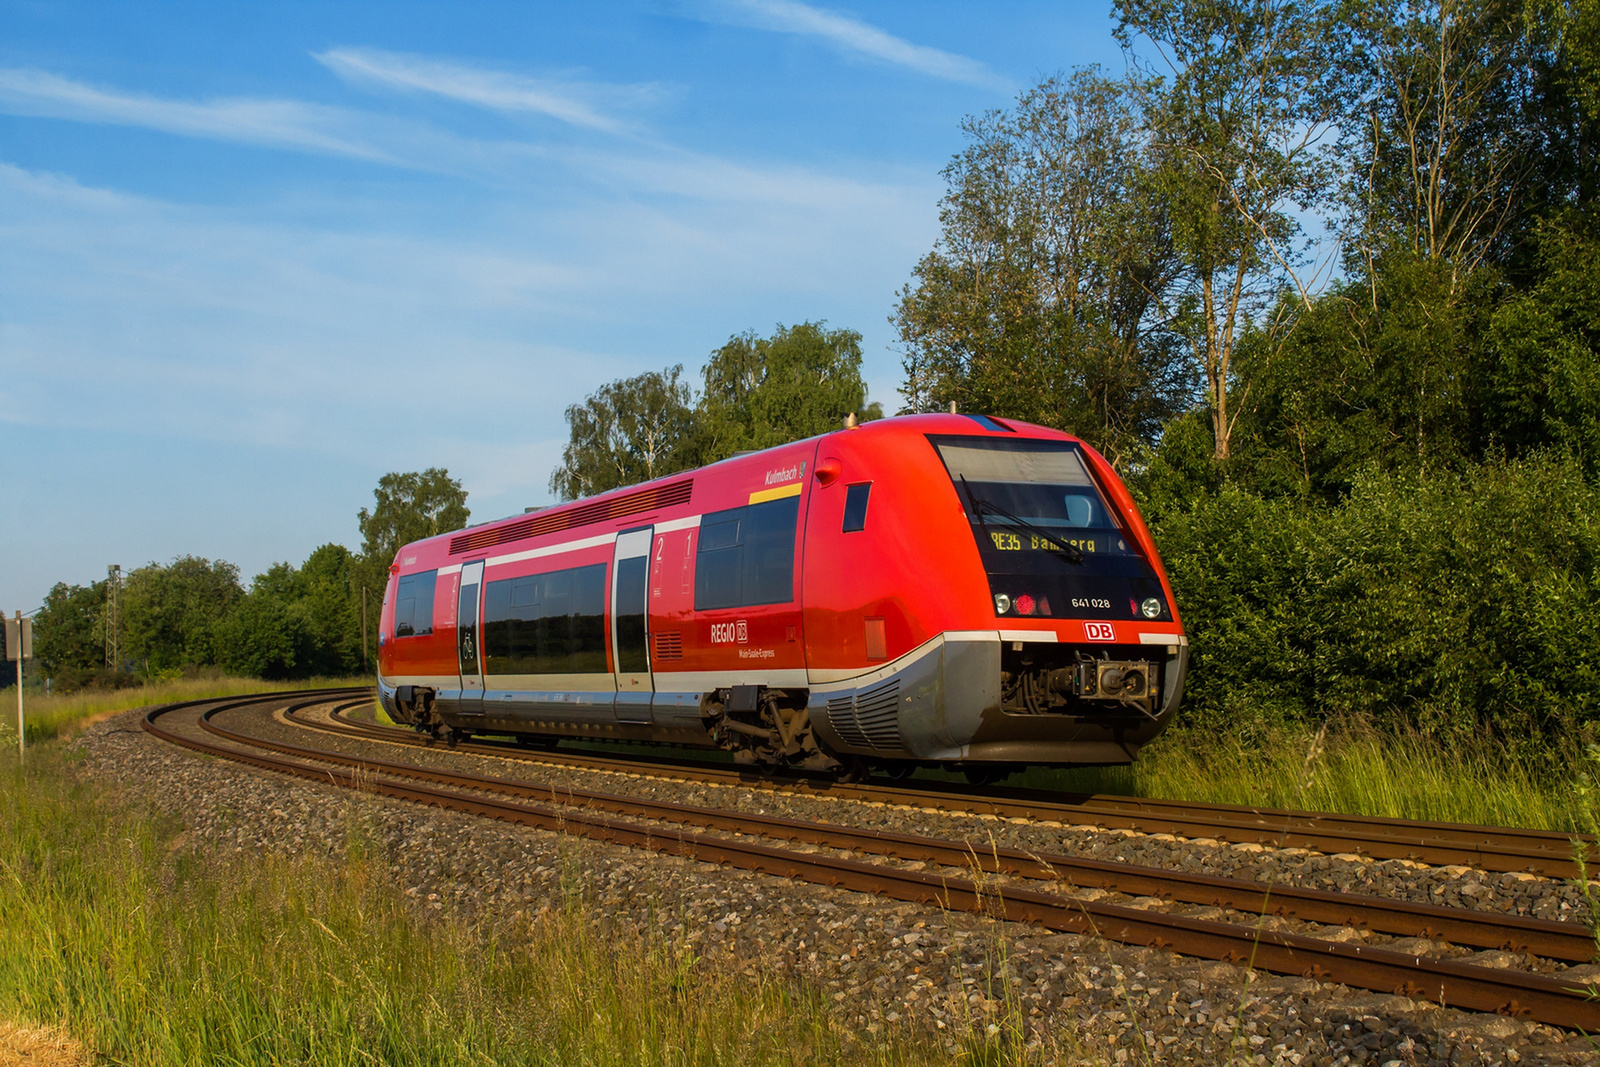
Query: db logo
<point x="726" y="633"/>
<point x="1099" y="631"/>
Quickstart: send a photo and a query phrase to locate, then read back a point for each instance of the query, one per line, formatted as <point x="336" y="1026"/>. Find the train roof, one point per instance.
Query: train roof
<point x="674" y="489"/>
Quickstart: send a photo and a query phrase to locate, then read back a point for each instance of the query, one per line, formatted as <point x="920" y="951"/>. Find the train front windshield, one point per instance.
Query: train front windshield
<point x="1051" y="543"/>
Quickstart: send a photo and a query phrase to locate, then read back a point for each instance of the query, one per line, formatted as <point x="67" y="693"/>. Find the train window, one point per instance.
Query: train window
<point x="769" y="551"/>
<point x="855" y="507"/>
<point x="551" y="623"/>
<point x="1027" y="488"/>
<point x="413" y="604"/>
<point x="746" y="556"/>
<point x="719" y="560"/>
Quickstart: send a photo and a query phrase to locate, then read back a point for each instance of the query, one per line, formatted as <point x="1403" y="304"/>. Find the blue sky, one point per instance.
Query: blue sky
<point x="254" y="256"/>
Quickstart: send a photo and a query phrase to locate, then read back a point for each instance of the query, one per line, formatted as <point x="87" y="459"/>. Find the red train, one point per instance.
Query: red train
<point x="936" y="589"/>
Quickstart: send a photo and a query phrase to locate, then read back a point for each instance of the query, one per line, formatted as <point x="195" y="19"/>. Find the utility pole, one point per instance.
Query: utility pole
<point x="19" y="646"/>
<point x="113" y="616"/>
<point x="363" y="627"/>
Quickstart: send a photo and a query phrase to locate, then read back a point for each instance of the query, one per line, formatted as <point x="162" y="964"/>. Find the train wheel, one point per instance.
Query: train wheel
<point x="987" y="773"/>
<point x="898" y="771"/>
<point x="854" y="769"/>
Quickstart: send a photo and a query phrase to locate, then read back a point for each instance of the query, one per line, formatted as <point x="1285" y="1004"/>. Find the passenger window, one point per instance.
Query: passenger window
<point x="718" y="562"/>
<point x="855" y="507"/>
<point x="413" y="604"/>
<point x="746" y="556"/>
<point x="551" y="623"/>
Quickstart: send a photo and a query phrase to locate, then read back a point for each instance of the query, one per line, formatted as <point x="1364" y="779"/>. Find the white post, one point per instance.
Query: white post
<point x="22" y="746"/>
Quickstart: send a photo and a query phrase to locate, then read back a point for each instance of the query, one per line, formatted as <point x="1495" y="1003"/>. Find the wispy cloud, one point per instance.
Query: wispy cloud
<point x="852" y="35"/>
<point x="279" y="123"/>
<point x="576" y="103"/>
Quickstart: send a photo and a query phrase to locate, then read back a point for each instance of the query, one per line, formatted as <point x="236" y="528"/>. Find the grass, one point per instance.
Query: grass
<point x="149" y="950"/>
<point x="52" y="716"/>
<point x="1354" y="772"/>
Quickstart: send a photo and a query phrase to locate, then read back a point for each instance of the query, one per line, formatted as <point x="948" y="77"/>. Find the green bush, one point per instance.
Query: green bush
<point x="1453" y="602"/>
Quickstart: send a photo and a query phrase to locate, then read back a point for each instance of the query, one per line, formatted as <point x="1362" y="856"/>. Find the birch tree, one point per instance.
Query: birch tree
<point x="1042" y="298"/>
<point x="1245" y="113"/>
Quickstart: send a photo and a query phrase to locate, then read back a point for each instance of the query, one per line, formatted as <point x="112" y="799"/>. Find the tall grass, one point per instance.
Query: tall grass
<point x="51" y="716"/>
<point x="152" y="952"/>
<point x="1403" y="776"/>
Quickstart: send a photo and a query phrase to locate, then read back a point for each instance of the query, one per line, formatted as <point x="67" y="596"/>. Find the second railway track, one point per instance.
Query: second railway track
<point x="605" y="816"/>
<point x="1489" y="848"/>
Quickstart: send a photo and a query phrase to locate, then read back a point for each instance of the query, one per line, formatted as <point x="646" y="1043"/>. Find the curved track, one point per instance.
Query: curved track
<point x="616" y="818"/>
<point x="1488" y="848"/>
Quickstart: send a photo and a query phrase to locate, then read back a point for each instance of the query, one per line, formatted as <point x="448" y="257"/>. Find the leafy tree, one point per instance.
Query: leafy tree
<point x="1446" y="94"/>
<point x="628" y="431"/>
<point x="765" y="391"/>
<point x="1244" y="115"/>
<point x="1042" y="299"/>
<point x="409" y="508"/>
<point x="171" y="613"/>
<point x="759" y="392"/>
<point x="1375" y="374"/>
<point x="1543" y="374"/>
<point x="69" y="630"/>
<point x="329" y="599"/>
<point x="264" y="637"/>
<point x="1571" y="30"/>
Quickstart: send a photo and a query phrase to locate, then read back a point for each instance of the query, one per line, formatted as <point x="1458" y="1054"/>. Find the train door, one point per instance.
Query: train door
<point x="630" y="650"/>
<point x="468" y="629"/>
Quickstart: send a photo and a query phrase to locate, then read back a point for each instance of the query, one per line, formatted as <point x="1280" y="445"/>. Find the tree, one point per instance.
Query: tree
<point x="766" y="391"/>
<point x="628" y="431"/>
<point x="1543" y="376"/>
<point x="1042" y="299"/>
<point x="1446" y="95"/>
<point x="329" y="601"/>
<point x="759" y="392"/>
<point x="171" y="614"/>
<point x="69" y="630"/>
<point x="264" y="637"/>
<point x="1244" y="117"/>
<point x="409" y="508"/>
<point x="1376" y="374"/>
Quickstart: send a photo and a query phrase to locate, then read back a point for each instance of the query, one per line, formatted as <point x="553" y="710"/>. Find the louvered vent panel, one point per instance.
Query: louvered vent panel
<point x="842" y="717"/>
<point x="558" y="519"/>
<point x="669" y="645"/>
<point x="878" y="715"/>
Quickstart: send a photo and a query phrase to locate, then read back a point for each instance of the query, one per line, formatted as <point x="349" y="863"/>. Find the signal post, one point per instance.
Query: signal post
<point x="19" y="647"/>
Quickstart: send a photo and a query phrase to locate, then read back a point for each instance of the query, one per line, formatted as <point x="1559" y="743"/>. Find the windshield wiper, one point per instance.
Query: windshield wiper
<point x="1068" y="552"/>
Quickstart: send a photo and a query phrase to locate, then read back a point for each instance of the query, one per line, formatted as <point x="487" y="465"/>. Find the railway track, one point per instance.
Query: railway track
<point x="699" y="833"/>
<point x="1488" y="848"/>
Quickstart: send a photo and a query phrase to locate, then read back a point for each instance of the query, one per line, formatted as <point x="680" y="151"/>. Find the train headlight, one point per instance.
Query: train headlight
<point x="1025" y="604"/>
<point x="1002" y="603"/>
<point x="1151" y="608"/>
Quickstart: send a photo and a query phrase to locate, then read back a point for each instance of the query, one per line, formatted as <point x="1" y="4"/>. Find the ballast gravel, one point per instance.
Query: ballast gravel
<point x="883" y="965"/>
<point x="1396" y="879"/>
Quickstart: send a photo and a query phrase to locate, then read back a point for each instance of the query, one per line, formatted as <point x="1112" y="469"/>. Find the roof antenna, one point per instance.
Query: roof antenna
<point x="952" y="407"/>
<point x="850" y="421"/>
